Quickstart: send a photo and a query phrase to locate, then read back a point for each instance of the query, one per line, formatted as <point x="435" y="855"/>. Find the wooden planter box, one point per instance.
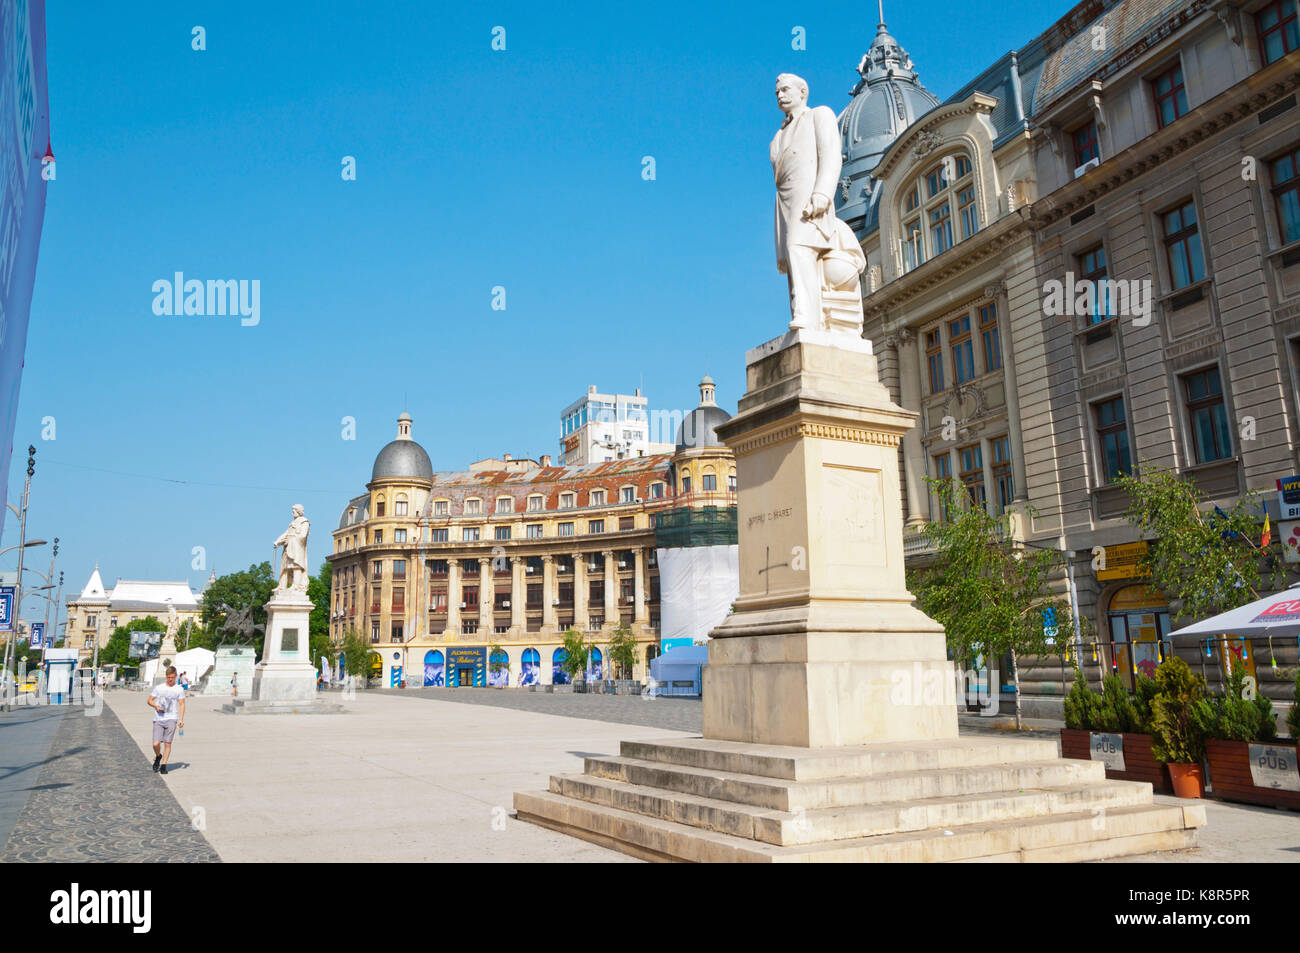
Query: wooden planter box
<point x="1230" y="777"/>
<point x="1139" y="763"/>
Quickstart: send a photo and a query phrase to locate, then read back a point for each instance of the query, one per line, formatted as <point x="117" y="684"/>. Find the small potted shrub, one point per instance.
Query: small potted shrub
<point x="1114" y="711"/>
<point x="1232" y="723"/>
<point x="1177" y="738"/>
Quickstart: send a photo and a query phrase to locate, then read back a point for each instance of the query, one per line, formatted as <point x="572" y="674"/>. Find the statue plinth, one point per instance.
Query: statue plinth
<point x="286" y="674"/>
<point x="824" y="632"/>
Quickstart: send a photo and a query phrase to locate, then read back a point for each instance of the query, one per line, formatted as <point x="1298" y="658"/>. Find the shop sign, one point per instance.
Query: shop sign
<point x="1121" y="562"/>
<point x="1274" y="766"/>
<point x="1288" y="497"/>
<point x="1107" y="748"/>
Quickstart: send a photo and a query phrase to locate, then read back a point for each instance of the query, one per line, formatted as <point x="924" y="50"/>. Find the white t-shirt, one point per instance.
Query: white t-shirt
<point x="168" y="698"/>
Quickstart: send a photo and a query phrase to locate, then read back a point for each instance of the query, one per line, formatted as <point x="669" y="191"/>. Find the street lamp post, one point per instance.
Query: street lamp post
<point x="18" y="585"/>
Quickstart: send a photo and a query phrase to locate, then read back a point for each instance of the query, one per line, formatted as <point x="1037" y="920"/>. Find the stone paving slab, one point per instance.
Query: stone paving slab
<point x="26" y="734"/>
<point x="672" y="713"/>
<point x="97" y="799"/>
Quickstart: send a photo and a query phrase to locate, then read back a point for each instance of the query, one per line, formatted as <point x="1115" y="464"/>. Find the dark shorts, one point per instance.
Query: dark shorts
<point x="164" y="731"/>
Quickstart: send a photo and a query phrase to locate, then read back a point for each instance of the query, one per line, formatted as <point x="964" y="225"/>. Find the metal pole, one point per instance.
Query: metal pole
<point x="18" y="590"/>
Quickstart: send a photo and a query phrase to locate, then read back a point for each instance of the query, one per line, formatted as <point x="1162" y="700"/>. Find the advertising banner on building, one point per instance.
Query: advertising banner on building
<point x="24" y="141"/>
<point x="467" y="666"/>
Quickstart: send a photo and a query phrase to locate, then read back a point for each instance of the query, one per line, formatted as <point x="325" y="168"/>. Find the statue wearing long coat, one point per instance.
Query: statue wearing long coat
<point x="805" y="159"/>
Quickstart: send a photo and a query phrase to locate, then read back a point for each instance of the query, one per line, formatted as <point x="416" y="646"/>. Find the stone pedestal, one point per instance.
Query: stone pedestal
<point x="232" y="661"/>
<point x="285" y="675"/>
<point x="824" y="647"/>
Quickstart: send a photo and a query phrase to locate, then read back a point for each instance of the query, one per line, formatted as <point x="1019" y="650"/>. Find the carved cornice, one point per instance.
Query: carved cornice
<point x="878" y="438"/>
<point x="1159" y="148"/>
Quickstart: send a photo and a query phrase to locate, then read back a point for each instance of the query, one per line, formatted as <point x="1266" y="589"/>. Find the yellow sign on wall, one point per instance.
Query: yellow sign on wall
<point x="1121" y="562"/>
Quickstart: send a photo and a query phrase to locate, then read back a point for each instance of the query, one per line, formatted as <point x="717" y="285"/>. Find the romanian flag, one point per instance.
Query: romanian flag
<point x="1268" y="534"/>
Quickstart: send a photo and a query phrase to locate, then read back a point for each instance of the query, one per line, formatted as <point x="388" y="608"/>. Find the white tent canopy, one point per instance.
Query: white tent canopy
<point x="195" y="663"/>
<point x="1277" y="615"/>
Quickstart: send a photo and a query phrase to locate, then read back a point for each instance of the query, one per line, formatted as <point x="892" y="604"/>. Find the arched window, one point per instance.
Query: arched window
<point x="938" y="210"/>
<point x="558" y="675"/>
<point x="433" y="668"/>
<point x="530" y="667"/>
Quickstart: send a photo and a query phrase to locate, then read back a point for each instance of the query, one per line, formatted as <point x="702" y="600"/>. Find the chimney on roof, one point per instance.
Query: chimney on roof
<point x="546" y="459"/>
<point x="506" y="457"/>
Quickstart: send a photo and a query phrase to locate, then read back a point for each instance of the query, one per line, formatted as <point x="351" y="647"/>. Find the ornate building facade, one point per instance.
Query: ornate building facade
<point x="96" y="612"/>
<point x="1087" y="259"/>
<point x="448" y="573"/>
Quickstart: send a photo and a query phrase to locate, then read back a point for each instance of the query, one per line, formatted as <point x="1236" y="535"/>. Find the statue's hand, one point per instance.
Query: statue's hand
<point x="817" y="206"/>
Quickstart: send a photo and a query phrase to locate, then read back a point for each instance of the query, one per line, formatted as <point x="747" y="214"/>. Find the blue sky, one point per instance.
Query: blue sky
<point x="475" y="169"/>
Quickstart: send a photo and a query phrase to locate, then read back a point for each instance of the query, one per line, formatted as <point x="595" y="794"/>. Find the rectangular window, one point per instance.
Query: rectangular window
<point x="686" y="483"/>
<point x="395" y="633"/>
<point x="1171" y="98"/>
<point x="1112" y="438"/>
<point x="1084" y="140"/>
<point x="502" y="532"/>
<point x="1183" y="246"/>
<point x="469" y="534"/>
<point x="941" y="228"/>
<point x="1003" y="480"/>
<point x="438" y="600"/>
<point x="1278" y="33"/>
<point x="627" y="494"/>
<point x="379" y="536"/>
<point x="972" y="473"/>
<point x="709" y="483"/>
<point x="595" y="526"/>
<point x="473" y="507"/>
<point x="534" y="530"/>
<point x="379" y="508"/>
<point x="966" y="211"/>
<point x="1092" y="270"/>
<point x="913" y="200"/>
<point x="438" y="535"/>
<point x="596" y="498"/>
<point x="566" y="501"/>
<point x="627" y="590"/>
<point x="991" y="338"/>
<point x="626" y="523"/>
<point x="963" y="167"/>
<point x="505" y="504"/>
<point x="438" y="567"/>
<point x="1211" y="438"/>
<point x="913" y="248"/>
<point x="536" y="504"/>
<point x="731" y="483"/>
<point x="377" y="569"/>
<point x="399" y="600"/>
<point x="596" y="593"/>
<point x="564" y="529"/>
<point x="963" y="351"/>
<point x="374" y="632"/>
<point x="934" y="359"/>
<point x="399" y="508"/>
<point x="935" y="182"/>
<point x="564" y="593"/>
<point x="1286" y="195"/>
<point x="399" y="535"/>
<point x="943" y="471"/>
<point x="441" y="508"/>
<point x="469" y="597"/>
<point x="656" y="491"/>
<point x="399" y="568"/>
<point x="534" y="597"/>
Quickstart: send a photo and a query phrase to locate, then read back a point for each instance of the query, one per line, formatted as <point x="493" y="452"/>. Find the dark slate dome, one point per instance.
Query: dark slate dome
<point x="697" y="429"/>
<point x="403" y="459"/>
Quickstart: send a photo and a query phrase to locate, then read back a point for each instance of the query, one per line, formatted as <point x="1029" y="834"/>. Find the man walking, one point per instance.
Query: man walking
<point x="168" y="703"/>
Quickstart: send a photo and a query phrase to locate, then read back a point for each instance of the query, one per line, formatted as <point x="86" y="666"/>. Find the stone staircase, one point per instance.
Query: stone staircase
<point x="975" y="798"/>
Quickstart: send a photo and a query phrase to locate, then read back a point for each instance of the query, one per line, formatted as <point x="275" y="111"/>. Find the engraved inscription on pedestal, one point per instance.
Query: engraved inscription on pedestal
<point x="289" y="642"/>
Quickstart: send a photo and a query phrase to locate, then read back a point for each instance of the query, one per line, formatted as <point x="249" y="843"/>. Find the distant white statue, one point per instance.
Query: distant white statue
<point x="817" y="252"/>
<point x="293" y="564"/>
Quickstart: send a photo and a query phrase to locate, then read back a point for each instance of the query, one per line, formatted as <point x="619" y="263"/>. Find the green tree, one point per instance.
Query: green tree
<point x="991" y="594"/>
<point x="119" y="643"/>
<point x="318" y="591"/>
<point x="1204" y="560"/>
<point x="576" y="650"/>
<point x="1176" y="736"/>
<point x="356" y="653"/>
<point x="622" y="651"/>
<point x="249" y="588"/>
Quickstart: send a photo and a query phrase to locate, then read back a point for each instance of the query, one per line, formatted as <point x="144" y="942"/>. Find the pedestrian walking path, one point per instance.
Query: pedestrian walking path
<point x="96" y="800"/>
<point x="675" y="714"/>
<point x="391" y="779"/>
<point x="26" y="734"/>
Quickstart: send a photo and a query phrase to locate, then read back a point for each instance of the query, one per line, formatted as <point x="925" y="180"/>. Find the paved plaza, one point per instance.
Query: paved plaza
<point x="425" y="774"/>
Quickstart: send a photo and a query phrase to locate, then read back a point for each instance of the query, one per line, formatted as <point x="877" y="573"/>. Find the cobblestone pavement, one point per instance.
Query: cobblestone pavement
<point x="26" y="734"/>
<point x="675" y="714"/>
<point x="96" y="799"/>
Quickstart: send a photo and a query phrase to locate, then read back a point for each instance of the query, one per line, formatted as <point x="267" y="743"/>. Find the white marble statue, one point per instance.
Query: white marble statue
<point x="293" y="564"/>
<point x="814" y="249"/>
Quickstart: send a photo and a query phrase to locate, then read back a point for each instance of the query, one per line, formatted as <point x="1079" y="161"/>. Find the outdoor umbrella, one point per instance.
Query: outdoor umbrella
<point x="1276" y="615"/>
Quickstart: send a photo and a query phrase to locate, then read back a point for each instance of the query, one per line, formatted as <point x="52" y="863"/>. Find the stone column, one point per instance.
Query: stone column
<point x="485" y="588"/>
<point x="550" y="592"/>
<point x="580" y="591"/>
<point x="641" y="613"/>
<point x="453" y="597"/>
<point x="909" y="384"/>
<point x="611" y="589"/>
<point x="518" y="592"/>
